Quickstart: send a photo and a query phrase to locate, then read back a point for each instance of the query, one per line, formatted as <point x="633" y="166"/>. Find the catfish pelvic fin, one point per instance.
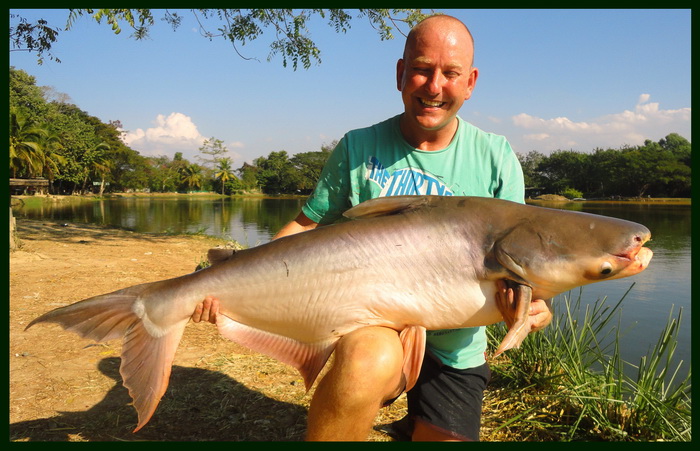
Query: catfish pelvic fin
<point x="308" y="358"/>
<point x="413" y="342"/>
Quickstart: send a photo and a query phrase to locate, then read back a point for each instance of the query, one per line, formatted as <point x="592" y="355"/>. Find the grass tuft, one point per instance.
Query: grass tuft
<point x="569" y="382"/>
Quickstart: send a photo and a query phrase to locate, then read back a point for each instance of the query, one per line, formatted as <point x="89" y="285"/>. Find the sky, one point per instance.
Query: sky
<point x="548" y="80"/>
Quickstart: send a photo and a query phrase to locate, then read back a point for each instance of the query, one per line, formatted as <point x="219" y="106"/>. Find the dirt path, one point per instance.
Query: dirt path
<point x="63" y="388"/>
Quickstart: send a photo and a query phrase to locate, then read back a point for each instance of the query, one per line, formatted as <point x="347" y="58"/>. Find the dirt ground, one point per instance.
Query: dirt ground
<point x="64" y="388"/>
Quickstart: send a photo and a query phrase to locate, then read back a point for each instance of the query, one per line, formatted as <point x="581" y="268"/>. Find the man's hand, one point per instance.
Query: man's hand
<point x="206" y="310"/>
<point x="540" y="313"/>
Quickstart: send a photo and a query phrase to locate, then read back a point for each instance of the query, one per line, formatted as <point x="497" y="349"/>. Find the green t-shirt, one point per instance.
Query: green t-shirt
<point x="376" y="161"/>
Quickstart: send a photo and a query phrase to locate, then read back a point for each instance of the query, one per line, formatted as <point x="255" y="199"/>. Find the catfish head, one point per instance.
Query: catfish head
<point x="554" y="251"/>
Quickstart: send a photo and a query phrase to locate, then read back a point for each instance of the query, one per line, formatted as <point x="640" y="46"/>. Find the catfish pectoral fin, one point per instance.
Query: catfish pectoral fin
<point x="513" y="338"/>
<point x="516" y="319"/>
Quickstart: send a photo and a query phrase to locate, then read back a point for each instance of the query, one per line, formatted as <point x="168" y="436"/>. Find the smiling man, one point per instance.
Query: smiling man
<point x="435" y="77"/>
<point x="427" y="149"/>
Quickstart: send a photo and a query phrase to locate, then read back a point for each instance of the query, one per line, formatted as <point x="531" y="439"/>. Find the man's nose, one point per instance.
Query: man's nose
<point x="435" y="82"/>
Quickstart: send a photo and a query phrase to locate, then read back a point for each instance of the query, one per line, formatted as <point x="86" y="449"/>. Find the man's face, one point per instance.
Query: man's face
<point x="435" y="77"/>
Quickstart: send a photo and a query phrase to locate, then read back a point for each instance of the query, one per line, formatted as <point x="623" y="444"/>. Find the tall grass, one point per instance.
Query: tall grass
<point x="573" y="384"/>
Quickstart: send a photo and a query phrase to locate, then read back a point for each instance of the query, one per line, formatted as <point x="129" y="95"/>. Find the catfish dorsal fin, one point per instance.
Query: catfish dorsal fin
<point x="217" y="255"/>
<point x="382" y="206"/>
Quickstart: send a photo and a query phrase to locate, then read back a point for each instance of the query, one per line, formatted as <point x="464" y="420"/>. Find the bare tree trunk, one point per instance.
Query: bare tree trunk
<point x="13" y="232"/>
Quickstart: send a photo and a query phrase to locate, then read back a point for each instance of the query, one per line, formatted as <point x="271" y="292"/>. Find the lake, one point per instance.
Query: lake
<point x="253" y="221"/>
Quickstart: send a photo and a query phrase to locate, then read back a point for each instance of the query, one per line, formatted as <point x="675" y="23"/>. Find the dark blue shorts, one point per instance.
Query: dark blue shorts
<point x="449" y="399"/>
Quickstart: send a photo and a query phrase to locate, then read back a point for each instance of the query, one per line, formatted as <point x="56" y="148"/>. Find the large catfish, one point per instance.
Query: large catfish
<point x="409" y="263"/>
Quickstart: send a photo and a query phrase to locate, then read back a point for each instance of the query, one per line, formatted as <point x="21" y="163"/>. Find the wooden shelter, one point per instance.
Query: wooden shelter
<point x="29" y="186"/>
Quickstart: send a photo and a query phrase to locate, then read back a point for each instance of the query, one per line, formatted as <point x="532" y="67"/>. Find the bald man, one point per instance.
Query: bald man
<point x="428" y="149"/>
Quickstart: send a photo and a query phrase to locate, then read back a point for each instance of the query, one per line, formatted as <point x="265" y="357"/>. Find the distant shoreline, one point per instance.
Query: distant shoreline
<point x="547" y="198"/>
<point x="540" y="199"/>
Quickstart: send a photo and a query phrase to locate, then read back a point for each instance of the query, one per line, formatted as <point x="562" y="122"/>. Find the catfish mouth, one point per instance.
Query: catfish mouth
<point x="636" y="249"/>
<point x="634" y="260"/>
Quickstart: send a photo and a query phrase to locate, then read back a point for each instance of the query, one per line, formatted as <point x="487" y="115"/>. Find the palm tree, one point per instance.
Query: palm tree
<point x="225" y="172"/>
<point x="26" y="152"/>
<point x="97" y="163"/>
<point x="51" y="157"/>
<point x="192" y="176"/>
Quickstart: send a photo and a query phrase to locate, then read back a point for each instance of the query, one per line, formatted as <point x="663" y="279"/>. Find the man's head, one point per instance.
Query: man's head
<point x="435" y="75"/>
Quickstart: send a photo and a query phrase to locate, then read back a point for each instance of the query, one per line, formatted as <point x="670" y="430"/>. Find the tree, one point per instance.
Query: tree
<point x="606" y="176"/>
<point x="530" y="164"/>
<point x="215" y="148"/>
<point x="26" y="96"/>
<point x="654" y="169"/>
<point x="309" y="166"/>
<point x="276" y="174"/>
<point x="192" y="176"/>
<point x="678" y="145"/>
<point x="248" y="177"/>
<point x="225" y="173"/>
<point x="25" y="145"/>
<point x="565" y="169"/>
<point x="37" y="37"/>
<point x="59" y="141"/>
<point x="238" y="26"/>
<point x="97" y="163"/>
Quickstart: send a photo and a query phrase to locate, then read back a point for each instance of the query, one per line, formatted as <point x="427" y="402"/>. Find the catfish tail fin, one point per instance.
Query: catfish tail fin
<point x="147" y="355"/>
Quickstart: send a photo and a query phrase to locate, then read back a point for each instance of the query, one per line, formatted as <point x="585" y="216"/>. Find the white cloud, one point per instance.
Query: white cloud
<point x="643" y="98"/>
<point x="494" y="119"/>
<point x="537" y="136"/>
<point x="169" y="134"/>
<point x="630" y="127"/>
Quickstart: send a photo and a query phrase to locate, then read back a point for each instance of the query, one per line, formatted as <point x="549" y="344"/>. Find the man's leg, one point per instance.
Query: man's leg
<point x="446" y="402"/>
<point x="366" y="372"/>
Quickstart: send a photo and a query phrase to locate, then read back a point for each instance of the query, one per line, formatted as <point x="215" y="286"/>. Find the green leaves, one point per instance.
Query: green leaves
<point x="656" y="169"/>
<point x="37" y="37"/>
<point x="288" y="28"/>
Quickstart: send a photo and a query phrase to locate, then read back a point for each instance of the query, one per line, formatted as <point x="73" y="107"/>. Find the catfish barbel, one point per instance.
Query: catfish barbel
<point x="409" y="263"/>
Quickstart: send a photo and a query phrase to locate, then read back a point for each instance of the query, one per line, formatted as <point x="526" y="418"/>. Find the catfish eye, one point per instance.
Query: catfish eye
<point x="606" y="268"/>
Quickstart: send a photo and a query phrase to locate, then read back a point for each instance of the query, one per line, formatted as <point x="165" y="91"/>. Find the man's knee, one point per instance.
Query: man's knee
<point x="372" y="357"/>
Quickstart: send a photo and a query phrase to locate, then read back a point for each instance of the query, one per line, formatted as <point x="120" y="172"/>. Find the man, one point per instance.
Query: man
<point x="426" y="150"/>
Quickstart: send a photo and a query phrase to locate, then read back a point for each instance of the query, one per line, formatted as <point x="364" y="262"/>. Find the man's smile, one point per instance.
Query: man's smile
<point x="431" y="103"/>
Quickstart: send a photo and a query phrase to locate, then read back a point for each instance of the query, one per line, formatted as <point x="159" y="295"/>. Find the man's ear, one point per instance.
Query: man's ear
<point x="471" y="84"/>
<point x="400" y="67"/>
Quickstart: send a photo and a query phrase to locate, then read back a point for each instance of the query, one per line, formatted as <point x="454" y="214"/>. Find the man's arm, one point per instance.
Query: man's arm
<point x="299" y="224"/>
